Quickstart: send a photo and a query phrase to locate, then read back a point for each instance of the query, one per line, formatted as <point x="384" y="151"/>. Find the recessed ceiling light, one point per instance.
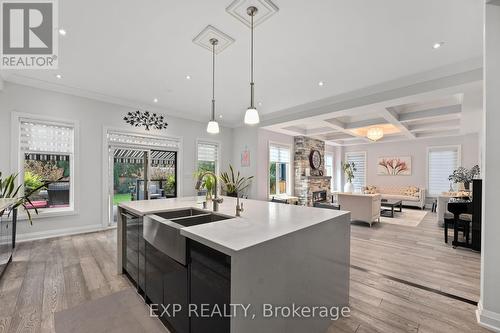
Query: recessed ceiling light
<point x="62" y="32"/>
<point x="321" y="83"/>
<point x="188" y="77"/>
<point x="437" y="45"/>
<point x="59" y="76"/>
<point x="260" y="103"/>
<point x="220" y="116"/>
<point x="155" y="100"/>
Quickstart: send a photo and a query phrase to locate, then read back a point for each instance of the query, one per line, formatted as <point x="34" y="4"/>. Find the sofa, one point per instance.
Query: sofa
<point x="410" y="195"/>
<point x="363" y="207"/>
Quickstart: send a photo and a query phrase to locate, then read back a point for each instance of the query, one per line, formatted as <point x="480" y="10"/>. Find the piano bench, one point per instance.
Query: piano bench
<point x="462" y="226"/>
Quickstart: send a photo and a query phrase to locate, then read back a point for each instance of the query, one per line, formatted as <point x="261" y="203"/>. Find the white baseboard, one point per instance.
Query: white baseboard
<point x="488" y="319"/>
<point x="31" y="236"/>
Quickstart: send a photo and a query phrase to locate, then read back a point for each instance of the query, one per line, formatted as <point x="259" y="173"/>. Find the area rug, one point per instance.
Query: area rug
<point x="123" y="312"/>
<point x="408" y="217"/>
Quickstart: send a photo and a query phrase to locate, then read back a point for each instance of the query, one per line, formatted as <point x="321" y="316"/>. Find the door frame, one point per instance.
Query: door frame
<point x="107" y="159"/>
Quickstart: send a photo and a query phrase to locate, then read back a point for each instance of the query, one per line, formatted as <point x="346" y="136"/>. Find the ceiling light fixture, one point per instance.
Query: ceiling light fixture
<point x="58" y="76"/>
<point x="188" y="77"/>
<point x="437" y="45"/>
<point x="155" y="100"/>
<point x="375" y="133"/>
<point x="213" y="125"/>
<point x="62" y="32"/>
<point x="251" y="115"/>
<point x="321" y="83"/>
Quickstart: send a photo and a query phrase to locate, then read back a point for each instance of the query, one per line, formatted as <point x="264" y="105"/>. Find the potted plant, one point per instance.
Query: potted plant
<point x="464" y="175"/>
<point x="233" y="184"/>
<point x="8" y="189"/>
<point x="349" y="169"/>
<point x="208" y="184"/>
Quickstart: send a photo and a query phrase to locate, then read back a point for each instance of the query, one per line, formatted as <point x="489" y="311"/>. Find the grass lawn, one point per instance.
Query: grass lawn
<point x="121" y="197"/>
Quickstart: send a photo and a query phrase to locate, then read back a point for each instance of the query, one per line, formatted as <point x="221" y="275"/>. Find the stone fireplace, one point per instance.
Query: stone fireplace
<point x="307" y="179"/>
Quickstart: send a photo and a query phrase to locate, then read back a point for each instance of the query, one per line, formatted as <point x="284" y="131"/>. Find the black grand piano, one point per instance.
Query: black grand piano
<point x="471" y="205"/>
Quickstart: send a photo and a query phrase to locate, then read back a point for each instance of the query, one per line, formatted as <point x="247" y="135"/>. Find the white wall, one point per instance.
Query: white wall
<point x="489" y="304"/>
<point x="418" y="151"/>
<point x="246" y="138"/>
<point x="92" y="117"/>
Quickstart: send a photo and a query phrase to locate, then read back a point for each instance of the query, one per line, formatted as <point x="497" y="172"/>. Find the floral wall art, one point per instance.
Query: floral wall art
<point x="394" y="166"/>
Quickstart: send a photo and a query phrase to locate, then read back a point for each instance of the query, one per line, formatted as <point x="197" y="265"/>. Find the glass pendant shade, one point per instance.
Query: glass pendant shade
<point x="252" y="116"/>
<point x="375" y="133"/>
<point x="213" y="127"/>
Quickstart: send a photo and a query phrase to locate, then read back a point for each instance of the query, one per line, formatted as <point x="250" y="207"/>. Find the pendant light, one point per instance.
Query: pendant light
<point x="213" y="125"/>
<point x="252" y="115"/>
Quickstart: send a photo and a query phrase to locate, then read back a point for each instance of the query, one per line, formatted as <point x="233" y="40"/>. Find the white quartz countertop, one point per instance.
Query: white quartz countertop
<point x="4" y="203"/>
<point x="261" y="221"/>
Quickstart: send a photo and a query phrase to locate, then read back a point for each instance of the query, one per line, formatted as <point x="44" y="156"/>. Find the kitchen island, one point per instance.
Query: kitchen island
<point x="253" y="268"/>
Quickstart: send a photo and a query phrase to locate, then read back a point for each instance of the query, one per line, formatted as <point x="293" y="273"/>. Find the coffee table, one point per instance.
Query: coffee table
<point x="389" y="205"/>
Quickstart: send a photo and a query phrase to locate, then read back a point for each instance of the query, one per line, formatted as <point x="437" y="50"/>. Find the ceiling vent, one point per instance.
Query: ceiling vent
<point x="203" y="39"/>
<point x="238" y="9"/>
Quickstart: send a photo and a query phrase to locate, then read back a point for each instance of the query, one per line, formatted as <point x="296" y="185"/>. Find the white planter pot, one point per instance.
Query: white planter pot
<point x="348" y="188"/>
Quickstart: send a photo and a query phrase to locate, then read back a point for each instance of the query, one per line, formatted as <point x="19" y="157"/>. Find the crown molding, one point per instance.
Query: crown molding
<point x="93" y="95"/>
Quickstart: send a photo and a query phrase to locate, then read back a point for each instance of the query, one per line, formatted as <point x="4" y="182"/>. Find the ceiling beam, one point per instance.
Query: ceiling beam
<point x="341" y="127"/>
<point x="393" y="118"/>
<point x="320" y="130"/>
<point x="431" y="113"/>
<point x="436" y="126"/>
<point x="295" y="129"/>
<point x="438" y="134"/>
<point x="366" y="123"/>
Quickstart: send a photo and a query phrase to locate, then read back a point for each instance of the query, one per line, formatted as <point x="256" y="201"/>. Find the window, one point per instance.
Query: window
<point x="46" y="153"/>
<point x="442" y="162"/>
<point x="279" y="169"/>
<point x="359" y="159"/>
<point x="329" y="169"/>
<point x="207" y="156"/>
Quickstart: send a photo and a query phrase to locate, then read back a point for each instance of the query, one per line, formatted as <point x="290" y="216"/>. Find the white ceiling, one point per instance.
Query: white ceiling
<point x="454" y="111"/>
<point x="135" y="51"/>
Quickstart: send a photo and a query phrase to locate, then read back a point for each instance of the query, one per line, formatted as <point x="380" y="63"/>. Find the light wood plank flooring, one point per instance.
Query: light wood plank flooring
<point x="50" y="275"/>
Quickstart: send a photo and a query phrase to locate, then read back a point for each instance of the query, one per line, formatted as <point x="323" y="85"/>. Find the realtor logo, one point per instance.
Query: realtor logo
<point x="29" y="36"/>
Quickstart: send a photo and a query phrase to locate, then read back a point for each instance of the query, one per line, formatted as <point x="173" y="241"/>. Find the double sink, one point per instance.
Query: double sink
<point x="163" y="230"/>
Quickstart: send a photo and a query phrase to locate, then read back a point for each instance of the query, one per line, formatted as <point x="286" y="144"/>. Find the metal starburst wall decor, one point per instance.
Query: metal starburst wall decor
<point x="146" y="119"/>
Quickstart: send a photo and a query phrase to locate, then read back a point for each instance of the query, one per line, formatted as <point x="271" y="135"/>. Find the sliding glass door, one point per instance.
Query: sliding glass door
<point x="141" y="174"/>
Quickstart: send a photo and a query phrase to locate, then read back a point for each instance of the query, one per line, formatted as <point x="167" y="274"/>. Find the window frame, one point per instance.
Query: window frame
<point x="365" y="169"/>
<point x="209" y="142"/>
<point x="289" y="190"/>
<point x="332" y="155"/>
<point x="429" y="149"/>
<point x="18" y="159"/>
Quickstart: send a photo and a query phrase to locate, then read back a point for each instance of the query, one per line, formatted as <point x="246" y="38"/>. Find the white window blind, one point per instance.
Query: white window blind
<point x="442" y="162"/>
<point x="44" y="137"/>
<point x="279" y="154"/>
<point x="359" y="159"/>
<point x="207" y="152"/>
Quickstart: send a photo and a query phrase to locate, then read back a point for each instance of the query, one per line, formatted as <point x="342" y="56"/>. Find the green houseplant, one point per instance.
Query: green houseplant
<point x="8" y="189"/>
<point x="349" y="169"/>
<point x="208" y="183"/>
<point x="234" y="184"/>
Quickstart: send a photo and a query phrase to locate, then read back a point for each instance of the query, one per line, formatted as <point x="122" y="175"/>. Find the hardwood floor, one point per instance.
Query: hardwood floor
<point x="50" y="275"/>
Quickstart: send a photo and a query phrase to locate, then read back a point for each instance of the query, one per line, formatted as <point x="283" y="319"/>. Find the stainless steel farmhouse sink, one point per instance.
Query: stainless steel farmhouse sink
<point x="162" y="230"/>
<point x="172" y="214"/>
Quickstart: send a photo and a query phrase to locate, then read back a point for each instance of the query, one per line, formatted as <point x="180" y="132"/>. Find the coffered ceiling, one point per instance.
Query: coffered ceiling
<point x="448" y="112"/>
<point x="134" y="52"/>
